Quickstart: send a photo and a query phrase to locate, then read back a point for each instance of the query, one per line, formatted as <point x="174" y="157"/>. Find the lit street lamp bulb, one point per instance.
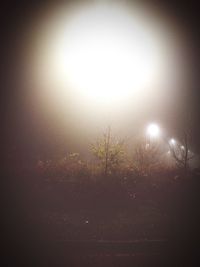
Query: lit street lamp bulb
<point x="153" y="130"/>
<point x="172" y="142"/>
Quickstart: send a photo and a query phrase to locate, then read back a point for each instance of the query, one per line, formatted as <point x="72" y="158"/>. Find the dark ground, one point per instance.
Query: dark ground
<point x="110" y="223"/>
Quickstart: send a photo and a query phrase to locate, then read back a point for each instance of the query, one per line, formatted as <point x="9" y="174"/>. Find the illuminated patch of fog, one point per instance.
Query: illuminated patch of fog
<point x="104" y="63"/>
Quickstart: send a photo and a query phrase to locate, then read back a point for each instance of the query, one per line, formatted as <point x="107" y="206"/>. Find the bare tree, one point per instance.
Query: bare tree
<point x="180" y="151"/>
<point x="109" y="151"/>
<point x="147" y="157"/>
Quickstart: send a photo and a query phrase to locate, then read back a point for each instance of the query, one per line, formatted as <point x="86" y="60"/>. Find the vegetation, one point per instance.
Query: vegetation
<point x="118" y="194"/>
<point x="111" y="157"/>
<point x="109" y="152"/>
<point x="147" y="158"/>
<point x="181" y="153"/>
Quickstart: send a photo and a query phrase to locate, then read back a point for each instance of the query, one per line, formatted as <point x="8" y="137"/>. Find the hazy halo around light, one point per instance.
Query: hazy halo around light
<point x="104" y="54"/>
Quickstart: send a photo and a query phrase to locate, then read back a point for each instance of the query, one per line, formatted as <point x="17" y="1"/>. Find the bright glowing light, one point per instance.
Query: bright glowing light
<point x="147" y="146"/>
<point x="153" y="130"/>
<point x="182" y="147"/>
<point x="106" y="53"/>
<point x="172" y="142"/>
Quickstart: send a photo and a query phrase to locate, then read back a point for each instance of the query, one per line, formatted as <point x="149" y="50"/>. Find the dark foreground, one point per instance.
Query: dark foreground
<point x="95" y="224"/>
<point x="104" y="253"/>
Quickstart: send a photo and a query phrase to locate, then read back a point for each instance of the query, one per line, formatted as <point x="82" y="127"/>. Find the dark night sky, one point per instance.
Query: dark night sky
<point x="24" y="136"/>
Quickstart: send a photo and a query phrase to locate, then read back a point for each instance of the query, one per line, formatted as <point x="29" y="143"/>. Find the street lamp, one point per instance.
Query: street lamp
<point x="172" y="142"/>
<point x="153" y="131"/>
